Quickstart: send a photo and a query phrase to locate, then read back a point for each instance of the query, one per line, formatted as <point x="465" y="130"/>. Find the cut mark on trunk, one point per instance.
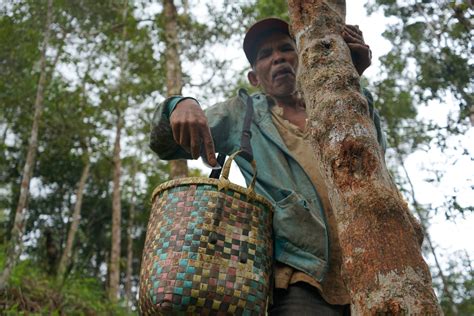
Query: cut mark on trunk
<point x="353" y="164"/>
<point x="326" y="42"/>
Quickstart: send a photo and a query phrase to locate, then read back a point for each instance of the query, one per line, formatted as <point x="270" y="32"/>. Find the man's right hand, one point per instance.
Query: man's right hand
<point x="191" y="131"/>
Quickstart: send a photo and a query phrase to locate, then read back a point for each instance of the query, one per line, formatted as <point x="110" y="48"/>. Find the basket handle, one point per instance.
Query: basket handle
<point x="226" y="170"/>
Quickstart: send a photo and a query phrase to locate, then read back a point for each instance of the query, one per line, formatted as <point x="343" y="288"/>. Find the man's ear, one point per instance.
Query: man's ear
<point x="252" y="77"/>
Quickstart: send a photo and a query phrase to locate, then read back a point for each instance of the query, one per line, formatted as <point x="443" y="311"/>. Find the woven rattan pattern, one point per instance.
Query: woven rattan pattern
<point x="207" y="252"/>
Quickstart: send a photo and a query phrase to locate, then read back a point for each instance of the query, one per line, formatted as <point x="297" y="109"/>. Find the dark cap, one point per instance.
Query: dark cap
<point x="262" y="28"/>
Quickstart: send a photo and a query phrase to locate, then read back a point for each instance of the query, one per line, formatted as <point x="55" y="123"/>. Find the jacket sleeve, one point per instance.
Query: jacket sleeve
<point x="223" y="119"/>
<point x="374" y="115"/>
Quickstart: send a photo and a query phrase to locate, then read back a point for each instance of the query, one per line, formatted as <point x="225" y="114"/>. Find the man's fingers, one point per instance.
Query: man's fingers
<point x="191" y="130"/>
<point x="353" y="35"/>
<point x="361" y="54"/>
<point x="209" y="150"/>
<point x="176" y="133"/>
<point x="359" y="48"/>
<point x="353" y="29"/>
<point x="195" y="146"/>
<point x="185" y="138"/>
<point x="179" y="136"/>
<point x="351" y="38"/>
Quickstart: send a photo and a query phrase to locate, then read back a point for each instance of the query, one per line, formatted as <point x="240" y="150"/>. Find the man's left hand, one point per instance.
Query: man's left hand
<point x="360" y="52"/>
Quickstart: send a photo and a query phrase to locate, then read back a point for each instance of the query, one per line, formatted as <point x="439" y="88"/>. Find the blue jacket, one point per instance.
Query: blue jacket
<point x="300" y="229"/>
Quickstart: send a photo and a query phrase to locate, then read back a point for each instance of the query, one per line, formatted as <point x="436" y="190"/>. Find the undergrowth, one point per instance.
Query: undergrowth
<point x="31" y="291"/>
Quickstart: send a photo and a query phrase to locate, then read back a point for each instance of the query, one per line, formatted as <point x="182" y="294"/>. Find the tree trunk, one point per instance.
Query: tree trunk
<point x="128" y="277"/>
<point x="76" y="218"/>
<point x="15" y="244"/>
<point x="382" y="267"/>
<point x="178" y="169"/>
<point x="114" y="267"/>
<point x="174" y="81"/>
<point x="76" y="215"/>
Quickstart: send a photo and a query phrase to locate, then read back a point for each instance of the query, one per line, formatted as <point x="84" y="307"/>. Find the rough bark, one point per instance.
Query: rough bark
<point x="76" y="218"/>
<point x="114" y="266"/>
<point x="174" y="80"/>
<point x="15" y="244"/>
<point x="382" y="267"/>
<point x="128" y="276"/>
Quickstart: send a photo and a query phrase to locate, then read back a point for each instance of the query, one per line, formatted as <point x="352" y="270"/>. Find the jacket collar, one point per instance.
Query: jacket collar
<point x="263" y="119"/>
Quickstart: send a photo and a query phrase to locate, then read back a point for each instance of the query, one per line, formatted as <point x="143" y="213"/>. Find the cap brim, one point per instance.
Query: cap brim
<point x="255" y="32"/>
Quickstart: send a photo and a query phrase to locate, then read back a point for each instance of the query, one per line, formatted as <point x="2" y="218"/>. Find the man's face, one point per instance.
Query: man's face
<point x="275" y="65"/>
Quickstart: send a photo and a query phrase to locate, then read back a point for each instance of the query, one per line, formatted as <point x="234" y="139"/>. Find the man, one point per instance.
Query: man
<point x="307" y="252"/>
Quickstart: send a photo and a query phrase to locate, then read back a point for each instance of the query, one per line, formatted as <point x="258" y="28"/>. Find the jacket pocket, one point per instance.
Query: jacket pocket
<point x="295" y="222"/>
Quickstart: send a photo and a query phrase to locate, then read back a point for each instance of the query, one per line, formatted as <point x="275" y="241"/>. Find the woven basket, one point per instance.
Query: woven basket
<point x="208" y="249"/>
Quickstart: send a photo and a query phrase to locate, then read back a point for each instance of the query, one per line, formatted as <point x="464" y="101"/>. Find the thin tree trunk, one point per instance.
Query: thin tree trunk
<point x="174" y="80"/>
<point x="76" y="218"/>
<point x="5" y="132"/>
<point x="114" y="267"/>
<point x="178" y="169"/>
<point x="128" y="277"/>
<point x="380" y="240"/>
<point x="185" y="7"/>
<point x="15" y="244"/>
<point x="424" y="225"/>
<point x="469" y="102"/>
<point x="76" y="215"/>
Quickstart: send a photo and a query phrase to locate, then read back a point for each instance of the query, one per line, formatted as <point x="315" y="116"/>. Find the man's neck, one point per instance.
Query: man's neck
<point x="294" y="110"/>
<point x="289" y="101"/>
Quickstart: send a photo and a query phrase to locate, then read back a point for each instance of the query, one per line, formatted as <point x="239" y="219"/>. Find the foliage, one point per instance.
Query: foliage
<point x="33" y="291"/>
<point x="428" y="63"/>
<point x="461" y="283"/>
<point x="430" y="56"/>
<point x="81" y="99"/>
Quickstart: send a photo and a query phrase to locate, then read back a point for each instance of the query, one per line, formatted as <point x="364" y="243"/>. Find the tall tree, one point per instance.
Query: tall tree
<point x="382" y="263"/>
<point x="93" y="37"/>
<point x="76" y="215"/>
<point x="130" y="232"/>
<point x="15" y="243"/>
<point x="174" y="81"/>
<point x="75" y="218"/>
<point x="114" y="266"/>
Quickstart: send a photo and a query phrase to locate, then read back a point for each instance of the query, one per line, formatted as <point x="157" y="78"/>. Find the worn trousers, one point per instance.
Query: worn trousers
<point x="302" y="299"/>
